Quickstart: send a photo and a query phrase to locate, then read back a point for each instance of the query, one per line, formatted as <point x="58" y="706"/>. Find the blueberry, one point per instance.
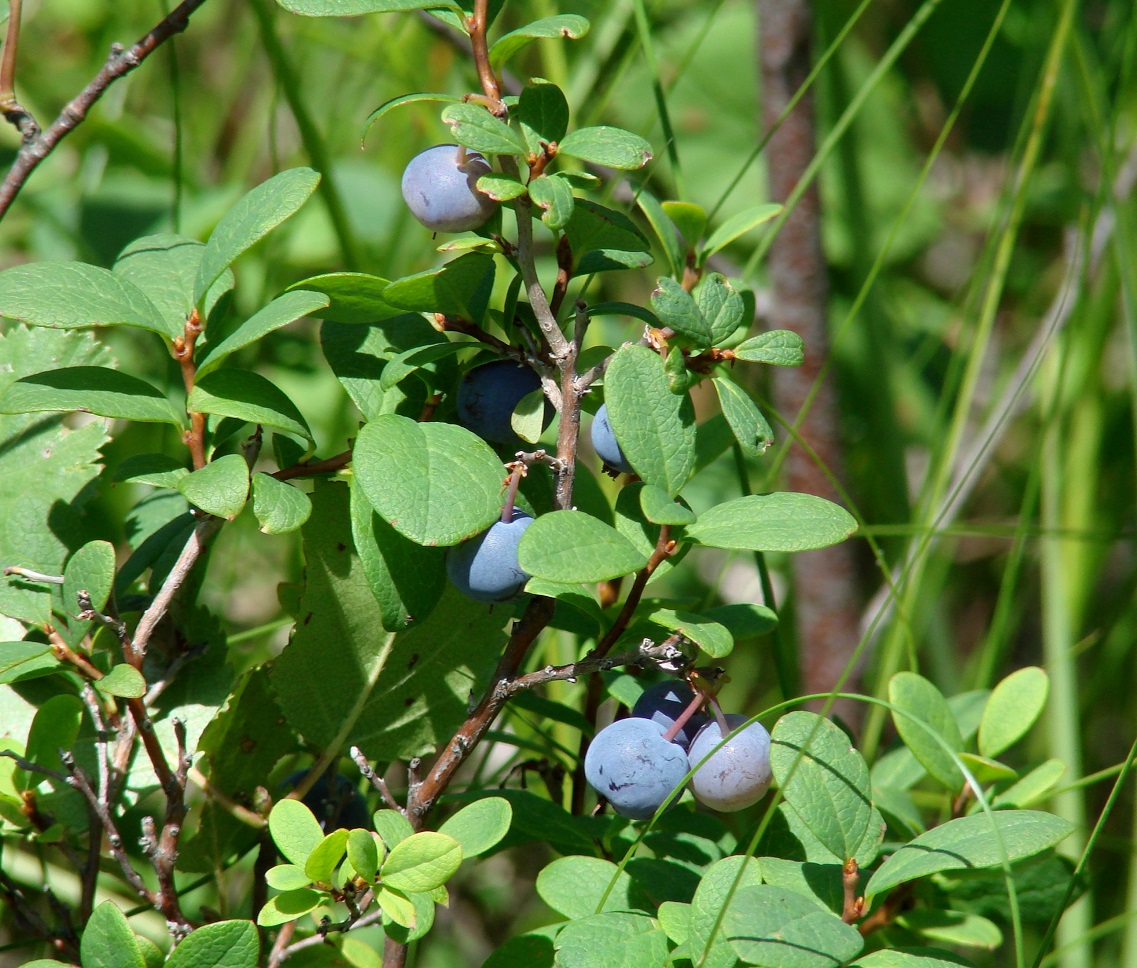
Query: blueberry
<point x="738" y="774"/>
<point x="485" y="568"/>
<point x="441" y="192"/>
<point x="488" y="395"/>
<point x="663" y="702"/>
<point x="344" y="809"/>
<point x="634" y="767"/>
<point x="604" y="443"/>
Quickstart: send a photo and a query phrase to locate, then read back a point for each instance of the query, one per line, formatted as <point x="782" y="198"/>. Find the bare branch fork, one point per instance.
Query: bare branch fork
<point x="119" y="63"/>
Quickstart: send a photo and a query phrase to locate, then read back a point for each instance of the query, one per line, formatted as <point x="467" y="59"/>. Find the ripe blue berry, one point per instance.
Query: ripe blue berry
<point x="485" y="568"/>
<point x="663" y="702"/>
<point x="634" y="767"/>
<point x="439" y="187"/>
<point x="604" y="443"/>
<point x="738" y="773"/>
<point x="488" y="395"/>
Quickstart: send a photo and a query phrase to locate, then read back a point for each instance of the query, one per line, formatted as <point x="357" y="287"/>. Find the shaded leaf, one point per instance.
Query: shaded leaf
<point x="221" y="487"/>
<point x="568" y="26"/>
<point x="90" y="389"/>
<point x="280" y="312"/>
<point x="250" y="397"/>
<point x="278" y="506"/>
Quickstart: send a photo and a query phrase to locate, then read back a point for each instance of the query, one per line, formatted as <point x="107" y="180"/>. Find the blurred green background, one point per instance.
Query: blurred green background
<point x="983" y="312"/>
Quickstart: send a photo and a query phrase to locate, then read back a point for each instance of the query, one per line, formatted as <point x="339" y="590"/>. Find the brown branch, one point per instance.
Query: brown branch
<point x="478" y="25"/>
<point x="664" y="547"/>
<point x="311" y="469"/>
<point x="182" y="351"/>
<point x="369" y="774"/>
<point x="120" y="63"/>
<point x="14" y="113"/>
<point x="825" y="594"/>
<point x="854" y="905"/>
<point x="647" y="655"/>
<point x="421" y="796"/>
<point x="64" y="653"/>
<point x="897" y="902"/>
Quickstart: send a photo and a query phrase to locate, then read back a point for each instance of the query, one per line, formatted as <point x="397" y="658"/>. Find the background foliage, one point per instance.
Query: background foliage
<point x="983" y="315"/>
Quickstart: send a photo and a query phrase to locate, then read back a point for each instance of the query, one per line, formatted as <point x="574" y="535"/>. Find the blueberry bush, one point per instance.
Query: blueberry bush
<point x="494" y="533"/>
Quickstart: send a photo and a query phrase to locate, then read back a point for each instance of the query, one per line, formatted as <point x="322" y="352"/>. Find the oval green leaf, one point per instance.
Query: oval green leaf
<point x="223" y="944"/>
<point x="108" y="941"/>
<point x="91" y="389"/>
<point x="574" y="547"/>
<point x="435" y="483"/>
<point x="296" y="831"/>
<point x="923" y="718"/>
<point x="245" y="395"/>
<point x="970" y="843"/>
<point x="278" y="506"/>
<point x="1015" y="704"/>
<point x="221" y="487"/>
<point x="480" y="825"/>
<point x="422" y="862"/>
<point x="569" y="26"/>
<point x="782" y="521"/>
<point x="608" y="146"/>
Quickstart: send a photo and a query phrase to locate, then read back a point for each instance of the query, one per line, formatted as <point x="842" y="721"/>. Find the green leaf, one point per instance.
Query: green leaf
<point x="644" y="536"/>
<point x="655" y="427"/>
<point x="460" y="288"/>
<point x="604" y="240"/>
<point x="528" y="417"/>
<point x="968" y="843"/>
<point x="744" y="620"/>
<point x="406" y="578"/>
<point x="952" y="927"/>
<point x="1031" y="788"/>
<point x="26" y="660"/>
<point x="480" y="825"/>
<point x="1015" y="704"/>
<point x="123" y="680"/>
<point x="611" y="940"/>
<point x="54" y="728"/>
<point x="222" y="944"/>
<point x="354" y="8"/>
<point x="750" y="428"/>
<point x="91" y="569"/>
<point x="553" y="195"/>
<point x="782" y="521"/>
<point x="363" y="854"/>
<point x="435" y="483"/>
<point x="721" y="306"/>
<point x="247" y="396"/>
<point x="477" y="129"/>
<point x="252" y="217"/>
<point x="279" y="507"/>
<point x="280" y="312"/>
<point x="658" y="507"/>
<point x="779" y="928"/>
<point x="826" y="782"/>
<point x="778" y="347"/>
<point x="707" y="943"/>
<point x="157" y="470"/>
<point x="580" y="886"/>
<point x="543" y="113"/>
<point x="689" y="219"/>
<point x="676" y="307"/>
<point x="608" y="146"/>
<point x="90" y="389"/>
<point x="568" y="26"/>
<point x="664" y="230"/>
<point x="707" y="634"/>
<point x="911" y="958"/>
<point x="73" y="295"/>
<point x="165" y="267"/>
<point x="398" y="102"/>
<point x="395" y="906"/>
<point x="354" y="297"/>
<point x="340" y="681"/>
<point x="574" y="547"/>
<point x="287" y="877"/>
<point x="326" y="856"/>
<point x="735" y="227"/>
<point x="500" y="188"/>
<point x="45" y="468"/>
<point x="392" y="826"/>
<point x="289" y="906"/>
<point x="422" y="862"/>
<point x="295" y="830"/>
<point x="922" y="715"/>
<point x="221" y="487"/>
<point x="107" y="940"/>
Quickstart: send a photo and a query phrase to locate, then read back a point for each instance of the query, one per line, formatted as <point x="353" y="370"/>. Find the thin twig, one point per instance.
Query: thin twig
<point x="312" y="469"/>
<point x="374" y="778"/>
<point x="30" y="575"/>
<point x="154" y="614"/>
<point x="14" y="113"/>
<point x="120" y="63"/>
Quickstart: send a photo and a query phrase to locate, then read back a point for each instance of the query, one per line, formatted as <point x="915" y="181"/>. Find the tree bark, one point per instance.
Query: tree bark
<point x="825" y="596"/>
